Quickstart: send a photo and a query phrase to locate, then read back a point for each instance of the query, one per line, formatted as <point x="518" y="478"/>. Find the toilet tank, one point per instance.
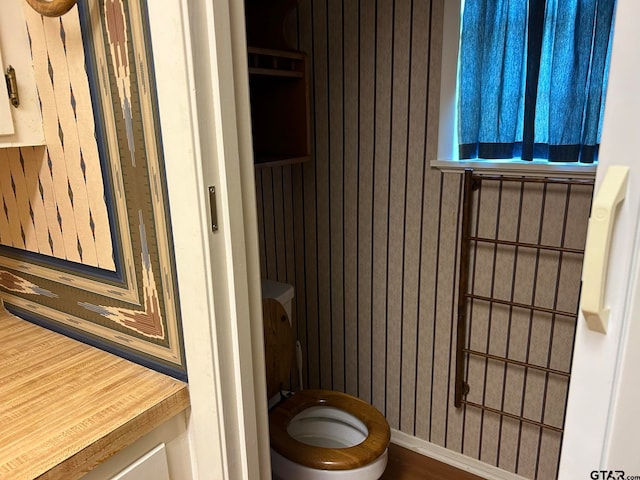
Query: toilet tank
<point x="282" y="292"/>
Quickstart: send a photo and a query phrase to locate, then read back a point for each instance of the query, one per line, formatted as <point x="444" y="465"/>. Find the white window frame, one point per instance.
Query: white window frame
<point x="447" y="160"/>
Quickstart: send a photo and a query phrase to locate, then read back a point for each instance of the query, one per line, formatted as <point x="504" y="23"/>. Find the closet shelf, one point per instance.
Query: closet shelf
<point x="278" y="63"/>
<point x="266" y="160"/>
<point x="274" y="72"/>
<point x="279" y="90"/>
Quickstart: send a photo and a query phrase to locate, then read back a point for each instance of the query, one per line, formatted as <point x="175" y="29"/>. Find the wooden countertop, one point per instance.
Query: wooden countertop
<point x="66" y="407"/>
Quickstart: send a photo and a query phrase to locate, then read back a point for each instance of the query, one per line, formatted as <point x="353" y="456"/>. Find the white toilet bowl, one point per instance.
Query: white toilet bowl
<point x="316" y="434"/>
<point x="320" y="434"/>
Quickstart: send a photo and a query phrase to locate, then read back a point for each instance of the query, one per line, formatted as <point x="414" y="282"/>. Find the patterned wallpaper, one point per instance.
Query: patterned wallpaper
<point x="85" y="240"/>
<point x="53" y="198"/>
<point x="369" y="236"/>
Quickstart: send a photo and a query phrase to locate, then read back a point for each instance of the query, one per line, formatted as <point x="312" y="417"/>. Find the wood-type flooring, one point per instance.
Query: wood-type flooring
<point x="404" y="464"/>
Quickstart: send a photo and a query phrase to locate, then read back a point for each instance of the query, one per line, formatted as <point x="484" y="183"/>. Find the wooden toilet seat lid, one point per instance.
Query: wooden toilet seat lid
<point x="279" y="345"/>
<point x="321" y="458"/>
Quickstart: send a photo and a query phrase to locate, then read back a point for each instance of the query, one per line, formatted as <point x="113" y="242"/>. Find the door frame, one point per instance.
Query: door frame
<point x="199" y="54"/>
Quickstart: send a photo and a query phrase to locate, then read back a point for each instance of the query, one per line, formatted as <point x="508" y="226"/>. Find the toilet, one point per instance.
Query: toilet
<point x="315" y="434"/>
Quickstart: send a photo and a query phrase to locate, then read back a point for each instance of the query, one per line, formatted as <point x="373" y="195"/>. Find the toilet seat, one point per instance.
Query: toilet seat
<point x="322" y="458"/>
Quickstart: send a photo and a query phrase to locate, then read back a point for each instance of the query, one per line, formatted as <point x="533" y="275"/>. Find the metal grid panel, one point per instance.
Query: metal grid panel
<point x="515" y="344"/>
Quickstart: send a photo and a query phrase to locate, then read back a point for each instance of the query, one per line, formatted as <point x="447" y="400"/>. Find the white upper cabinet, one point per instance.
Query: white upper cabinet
<point x="21" y="125"/>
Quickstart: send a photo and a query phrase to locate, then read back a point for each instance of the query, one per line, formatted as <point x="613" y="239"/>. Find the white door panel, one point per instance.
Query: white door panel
<point x="595" y="418"/>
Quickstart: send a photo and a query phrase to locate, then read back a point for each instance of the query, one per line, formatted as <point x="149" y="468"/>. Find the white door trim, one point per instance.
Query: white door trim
<point x="200" y="64"/>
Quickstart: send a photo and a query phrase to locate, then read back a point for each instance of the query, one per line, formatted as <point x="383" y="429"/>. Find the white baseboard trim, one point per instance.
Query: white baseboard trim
<point x="455" y="459"/>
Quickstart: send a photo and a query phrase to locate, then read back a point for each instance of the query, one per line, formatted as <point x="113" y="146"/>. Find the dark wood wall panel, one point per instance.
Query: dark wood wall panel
<point x="368" y="234"/>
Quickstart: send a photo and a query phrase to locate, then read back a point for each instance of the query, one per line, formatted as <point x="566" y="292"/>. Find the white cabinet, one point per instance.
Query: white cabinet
<point x="22" y="125"/>
<point x="161" y="454"/>
<point x="152" y="466"/>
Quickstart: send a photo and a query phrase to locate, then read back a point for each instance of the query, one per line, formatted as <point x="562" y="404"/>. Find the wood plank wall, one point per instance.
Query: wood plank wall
<point x="368" y="234"/>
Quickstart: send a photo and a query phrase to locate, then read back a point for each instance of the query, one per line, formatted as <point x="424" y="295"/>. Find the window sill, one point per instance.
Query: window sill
<point x="515" y="167"/>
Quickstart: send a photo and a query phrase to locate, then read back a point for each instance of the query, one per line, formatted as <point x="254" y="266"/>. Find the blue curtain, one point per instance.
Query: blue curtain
<point x="532" y="78"/>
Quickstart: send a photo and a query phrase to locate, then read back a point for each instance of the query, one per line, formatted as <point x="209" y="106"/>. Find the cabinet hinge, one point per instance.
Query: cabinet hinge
<point x="12" y="86"/>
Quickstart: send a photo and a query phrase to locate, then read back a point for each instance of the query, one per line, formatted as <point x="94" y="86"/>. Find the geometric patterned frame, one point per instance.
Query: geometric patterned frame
<point x="131" y="307"/>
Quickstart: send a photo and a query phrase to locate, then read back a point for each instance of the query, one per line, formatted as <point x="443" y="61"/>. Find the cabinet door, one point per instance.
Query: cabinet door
<point x="21" y="126"/>
<point x="152" y="466"/>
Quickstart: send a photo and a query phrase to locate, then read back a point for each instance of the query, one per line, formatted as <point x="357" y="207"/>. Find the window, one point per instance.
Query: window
<point x="555" y="51"/>
<point x="532" y="78"/>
